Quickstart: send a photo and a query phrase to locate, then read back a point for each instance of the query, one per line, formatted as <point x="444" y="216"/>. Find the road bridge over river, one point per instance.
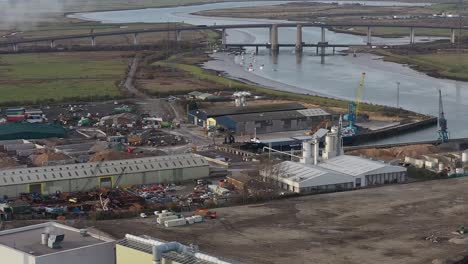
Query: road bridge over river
<point x="273" y="44"/>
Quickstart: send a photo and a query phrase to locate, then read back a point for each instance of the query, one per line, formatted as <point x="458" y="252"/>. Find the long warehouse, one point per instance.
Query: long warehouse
<point x="339" y="173"/>
<point x="106" y="174"/>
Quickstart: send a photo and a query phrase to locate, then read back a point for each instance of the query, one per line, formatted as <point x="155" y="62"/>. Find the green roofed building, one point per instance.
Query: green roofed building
<point x="30" y="131"/>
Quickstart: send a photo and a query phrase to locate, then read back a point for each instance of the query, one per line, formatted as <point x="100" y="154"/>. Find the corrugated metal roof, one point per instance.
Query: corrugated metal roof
<point x="343" y="165"/>
<point x="94" y="169"/>
<point x="276" y="140"/>
<point x="278" y="115"/>
<point x="313" y="112"/>
<point x="299" y="172"/>
<point x="267" y="116"/>
<point x="352" y="165"/>
<point x="222" y="111"/>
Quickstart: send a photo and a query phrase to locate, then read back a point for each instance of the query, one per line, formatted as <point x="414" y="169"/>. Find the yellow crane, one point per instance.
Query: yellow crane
<point x="359" y="92"/>
<point x="353" y="107"/>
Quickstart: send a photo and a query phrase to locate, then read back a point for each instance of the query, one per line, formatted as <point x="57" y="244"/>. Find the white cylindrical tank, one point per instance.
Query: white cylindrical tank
<point x="237" y="101"/>
<point x="329" y="143"/>
<point x="306" y="153"/>
<point x="306" y="149"/>
<point x="243" y="101"/>
<point x="44" y="238"/>
<point x="465" y="157"/>
<point x="441" y="166"/>
<point x="316" y="151"/>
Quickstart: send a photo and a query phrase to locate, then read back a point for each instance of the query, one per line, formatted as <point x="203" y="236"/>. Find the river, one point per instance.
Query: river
<point x="338" y="77"/>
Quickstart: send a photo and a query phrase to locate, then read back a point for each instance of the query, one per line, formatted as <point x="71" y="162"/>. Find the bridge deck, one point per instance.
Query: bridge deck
<point x="293" y="45"/>
<point x="209" y="27"/>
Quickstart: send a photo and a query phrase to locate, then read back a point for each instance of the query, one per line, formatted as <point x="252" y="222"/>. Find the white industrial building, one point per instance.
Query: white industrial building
<point x="106" y="174"/>
<point x="53" y="243"/>
<point x="333" y="171"/>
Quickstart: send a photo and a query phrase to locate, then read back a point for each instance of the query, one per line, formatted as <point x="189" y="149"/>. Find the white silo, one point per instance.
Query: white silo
<point x="310" y="152"/>
<point x="306" y="152"/>
<point x="465" y="157"/>
<point x="331" y="143"/>
<point x="441" y="167"/>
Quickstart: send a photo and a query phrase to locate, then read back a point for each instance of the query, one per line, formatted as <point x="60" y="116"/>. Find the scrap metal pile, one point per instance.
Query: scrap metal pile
<point x="71" y="205"/>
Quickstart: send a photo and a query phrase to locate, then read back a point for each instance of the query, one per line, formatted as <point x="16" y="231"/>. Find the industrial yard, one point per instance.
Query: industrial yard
<point x="120" y="143"/>
<point x="412" y="223"/>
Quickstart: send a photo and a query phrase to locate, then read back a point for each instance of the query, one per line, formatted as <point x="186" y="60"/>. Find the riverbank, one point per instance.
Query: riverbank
<point x="185" y="72"/>
<point x="233" y="75"/>
<point x="443" y="64"/>
<point x="44" y="13"/>
<point x="381" y="13"/>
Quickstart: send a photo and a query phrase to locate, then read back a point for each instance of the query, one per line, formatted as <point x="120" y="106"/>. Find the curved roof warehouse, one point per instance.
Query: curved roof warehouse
<point x="86" y="176"/>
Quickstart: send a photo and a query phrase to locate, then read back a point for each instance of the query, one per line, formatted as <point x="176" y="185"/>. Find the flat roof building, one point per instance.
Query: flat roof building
<point x="38" y="244"/>
<point x="149" y="250"/>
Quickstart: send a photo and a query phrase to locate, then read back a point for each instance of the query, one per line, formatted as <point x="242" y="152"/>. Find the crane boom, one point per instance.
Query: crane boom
<point x="359" y="92"/>
<point x="442" y="121"/>
<point x="353" y="107"/>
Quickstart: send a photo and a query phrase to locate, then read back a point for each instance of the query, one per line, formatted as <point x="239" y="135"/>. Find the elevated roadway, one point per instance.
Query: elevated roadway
<point x="273" y="32"/>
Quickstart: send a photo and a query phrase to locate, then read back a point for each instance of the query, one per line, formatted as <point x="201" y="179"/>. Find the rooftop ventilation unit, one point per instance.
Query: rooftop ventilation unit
<point x="84" y="232"/>
<point x="54" y="241"/>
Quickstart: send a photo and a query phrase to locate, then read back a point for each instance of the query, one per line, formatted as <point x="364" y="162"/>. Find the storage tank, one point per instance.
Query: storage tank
<point x="465" y="157"/>
<point x="459" y="171"/>
<point x="306" y="152"/>
<point x="441" y="167"/>
<point x="330" y="144"/>
<point x="315" y="154"/>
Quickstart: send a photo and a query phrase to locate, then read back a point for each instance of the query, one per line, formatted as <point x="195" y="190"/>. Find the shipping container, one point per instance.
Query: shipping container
<point x="197" y="218"/>
<point x="175" y="222"/>
<point x="162" y="220"/>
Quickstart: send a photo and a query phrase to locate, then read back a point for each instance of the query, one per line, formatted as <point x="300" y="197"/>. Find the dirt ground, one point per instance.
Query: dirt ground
<point x="397" y="152"/>
<point x="381" y="225"/>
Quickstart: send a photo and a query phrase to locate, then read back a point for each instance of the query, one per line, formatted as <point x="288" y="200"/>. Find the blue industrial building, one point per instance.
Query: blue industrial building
<point x="200" y="117"/>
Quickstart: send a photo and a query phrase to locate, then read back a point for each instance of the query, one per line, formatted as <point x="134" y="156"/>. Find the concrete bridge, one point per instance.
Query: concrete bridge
<point x="304" y="45"/>
<point x="274" y="43"/>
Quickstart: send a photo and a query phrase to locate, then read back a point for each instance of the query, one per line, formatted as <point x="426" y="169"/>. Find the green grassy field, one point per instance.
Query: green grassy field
<point x="397" y="32"/>
<point x="440" y="65"/>
<point x="449" y="6"/>
<point x="60" y="76"/>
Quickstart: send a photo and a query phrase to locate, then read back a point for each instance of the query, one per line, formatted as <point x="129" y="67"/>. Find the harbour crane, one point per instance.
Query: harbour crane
<point x="442" y="122"/>
<point x="353" y="107"/>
